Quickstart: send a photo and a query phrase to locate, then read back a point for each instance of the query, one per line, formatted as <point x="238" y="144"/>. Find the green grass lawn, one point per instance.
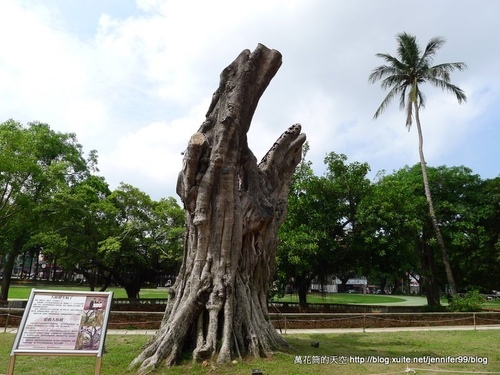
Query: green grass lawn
<point x="17" y="291"/>
<point x="342" y="298"/>
<point x="348" y="348"/>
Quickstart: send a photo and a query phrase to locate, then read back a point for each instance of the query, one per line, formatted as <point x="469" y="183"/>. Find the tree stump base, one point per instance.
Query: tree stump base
<point x="234" y="206"/>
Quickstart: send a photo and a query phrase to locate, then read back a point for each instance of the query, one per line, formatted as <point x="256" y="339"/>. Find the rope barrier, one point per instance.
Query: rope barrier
<point x="417" y="321"/>
<point x="489" y="320"/>
<point x="12" y="316"/>
<point x="374" y="317"/>
<point x="323" y="320"/>
<point x="123" y="323"/>
<point x="434" y="323"/>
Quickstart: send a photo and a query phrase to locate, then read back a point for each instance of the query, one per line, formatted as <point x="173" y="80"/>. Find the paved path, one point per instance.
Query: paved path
<point x="408" y="301"/>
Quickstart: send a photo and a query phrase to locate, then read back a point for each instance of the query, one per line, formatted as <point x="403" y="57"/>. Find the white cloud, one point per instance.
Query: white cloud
<point x="151" y="153"/>
<point x="45" y="73"/>
<point x="138" y="87"/>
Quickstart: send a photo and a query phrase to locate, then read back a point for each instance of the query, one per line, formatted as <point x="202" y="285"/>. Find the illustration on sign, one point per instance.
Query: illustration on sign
<point x="91" y="324"/>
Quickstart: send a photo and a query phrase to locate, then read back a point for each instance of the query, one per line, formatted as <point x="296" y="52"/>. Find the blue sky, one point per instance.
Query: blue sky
<point x="133" y="79"/>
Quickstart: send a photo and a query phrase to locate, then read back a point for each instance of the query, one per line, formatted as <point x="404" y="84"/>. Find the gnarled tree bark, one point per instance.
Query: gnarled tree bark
<point x="234" y="206"/>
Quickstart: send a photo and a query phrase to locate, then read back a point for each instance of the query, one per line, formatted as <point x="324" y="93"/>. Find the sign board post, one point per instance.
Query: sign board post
<point x="63" y="323"/>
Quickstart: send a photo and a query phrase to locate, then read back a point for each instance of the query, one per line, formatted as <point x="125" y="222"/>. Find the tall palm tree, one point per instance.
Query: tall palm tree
<point x="403" y="76"/>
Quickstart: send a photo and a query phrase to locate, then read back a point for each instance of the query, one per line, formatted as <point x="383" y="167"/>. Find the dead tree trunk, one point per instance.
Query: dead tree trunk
<point x="218" y="305"/>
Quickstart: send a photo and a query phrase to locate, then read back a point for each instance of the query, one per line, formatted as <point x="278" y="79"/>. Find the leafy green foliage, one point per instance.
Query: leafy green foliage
<point x="319" y="235"/>
<point x="471" y="301"/>
<point x="51" y="202"/>
<point x="404" y="74"/>
<point x="339" y="223"/>
<point x="122" y="236"/>
<point x="391" y="219"/>
<point x="35" y="163"/>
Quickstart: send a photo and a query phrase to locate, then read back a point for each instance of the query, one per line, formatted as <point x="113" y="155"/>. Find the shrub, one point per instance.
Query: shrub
<point x="471" y="301"/>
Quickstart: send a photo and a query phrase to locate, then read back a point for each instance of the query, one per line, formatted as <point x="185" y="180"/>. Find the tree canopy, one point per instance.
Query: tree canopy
<point x="53" y="203"/>
<point x="35" y="161"/>
<point x="339" y="223"/>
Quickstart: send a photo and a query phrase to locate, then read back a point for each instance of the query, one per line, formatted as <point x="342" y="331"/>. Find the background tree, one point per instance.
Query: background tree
<point x="234" y="207"/>
<point x="167" y="228"/>
<point x="398" y="231"/>
<point x="121" y="237"/>
<point x="148" y="241"/>
<point x="76" y="221"/>
<point x="35" y="162"/>
<point x="465" y="206"/>
<point x="490" y="241"/>
<point x="299" y="253"/>
<point x="393" y="221"/>
<point x="403" y="76"/>
<point x="348" y="185"/>
<point x="320" y="237"/>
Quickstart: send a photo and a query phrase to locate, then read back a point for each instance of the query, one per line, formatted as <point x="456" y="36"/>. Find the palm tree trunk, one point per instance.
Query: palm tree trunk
<point x="432" y="212"/>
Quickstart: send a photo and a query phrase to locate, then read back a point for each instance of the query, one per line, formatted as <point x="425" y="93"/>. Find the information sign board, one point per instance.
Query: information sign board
<point x="58" y="322"/>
